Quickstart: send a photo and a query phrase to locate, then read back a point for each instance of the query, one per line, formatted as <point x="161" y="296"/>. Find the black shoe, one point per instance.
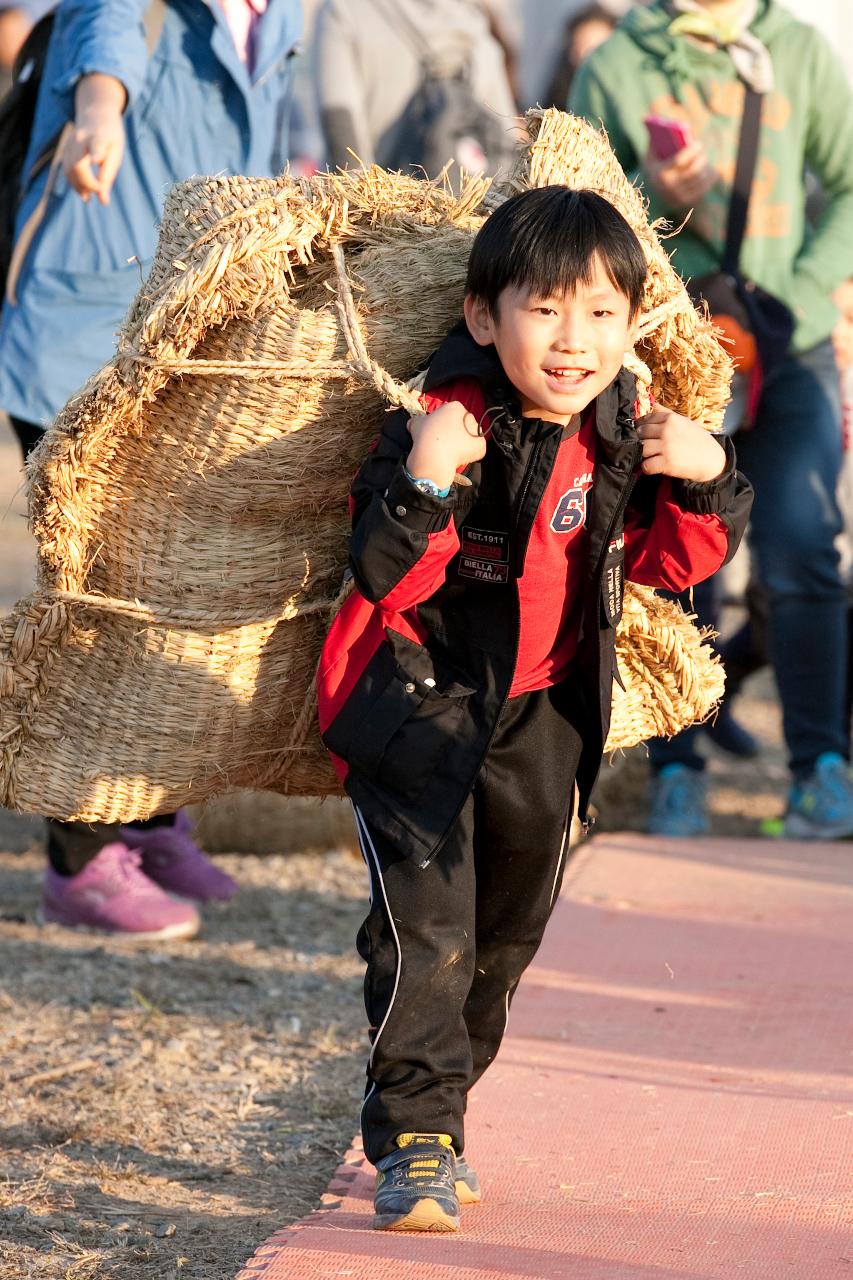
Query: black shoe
<point x="468" y="1188"/>
<point x="729" y="735"/>
<point x="416" y="1185"/>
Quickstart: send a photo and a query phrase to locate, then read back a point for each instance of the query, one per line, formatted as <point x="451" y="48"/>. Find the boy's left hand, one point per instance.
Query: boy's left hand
<point x="678" y="447"/>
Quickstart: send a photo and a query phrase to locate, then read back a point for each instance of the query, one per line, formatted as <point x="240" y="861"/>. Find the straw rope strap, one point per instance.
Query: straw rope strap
<point x="370" y="371"/>
<point x="187" y="621"/>
<point x="632" y="362"/>
<point x="255" y="370"/>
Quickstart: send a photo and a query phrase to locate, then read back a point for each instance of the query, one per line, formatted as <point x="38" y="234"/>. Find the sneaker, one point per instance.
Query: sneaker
<point x="172" y="859"/>
<point x="677" y="805"/>
<point x="415" y="1185"/>
<point x="112" y="895"/>
<point x="821" y="806"/>
<point x="468" y="1189"/>
<point x="730" y="736"/>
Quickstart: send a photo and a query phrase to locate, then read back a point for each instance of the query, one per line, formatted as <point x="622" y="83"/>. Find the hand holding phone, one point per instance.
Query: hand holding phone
<point x="676" y="165"/>
<point x="667" y="136"/>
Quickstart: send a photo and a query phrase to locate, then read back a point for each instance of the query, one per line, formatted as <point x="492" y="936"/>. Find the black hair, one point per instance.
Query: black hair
<point x="545" y="240"/>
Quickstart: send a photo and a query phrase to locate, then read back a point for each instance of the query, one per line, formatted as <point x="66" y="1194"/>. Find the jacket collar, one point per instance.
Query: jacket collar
<point x="459" y="356"/>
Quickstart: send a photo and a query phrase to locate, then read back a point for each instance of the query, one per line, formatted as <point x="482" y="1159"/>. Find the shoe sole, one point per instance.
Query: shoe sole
<point x="427" y="1215"/>
<point x="797" y="828"/>
<point x="171" y="933"/>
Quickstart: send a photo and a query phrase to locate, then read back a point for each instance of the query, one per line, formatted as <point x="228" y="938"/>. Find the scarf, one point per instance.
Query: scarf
<point x="751" y="58"/>
<point x="243" y="18"/>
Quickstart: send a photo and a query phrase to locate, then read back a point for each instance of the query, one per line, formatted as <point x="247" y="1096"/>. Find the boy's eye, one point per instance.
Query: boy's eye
<point x="601" y="312"/>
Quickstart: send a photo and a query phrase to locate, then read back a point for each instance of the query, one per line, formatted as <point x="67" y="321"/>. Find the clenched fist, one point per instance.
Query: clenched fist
<point x="678" y="447"/>
<point x="443" y="442"/>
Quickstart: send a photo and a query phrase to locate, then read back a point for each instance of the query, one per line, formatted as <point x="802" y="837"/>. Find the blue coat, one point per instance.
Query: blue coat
<point x="192" y="109"/>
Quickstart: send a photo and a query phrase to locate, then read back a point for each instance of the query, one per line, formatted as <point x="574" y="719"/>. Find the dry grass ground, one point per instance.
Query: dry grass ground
<point x="163" y="1110"/>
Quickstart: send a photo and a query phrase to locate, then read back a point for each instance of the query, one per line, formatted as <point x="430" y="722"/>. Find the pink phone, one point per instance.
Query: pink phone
<point x="667" y="136"/>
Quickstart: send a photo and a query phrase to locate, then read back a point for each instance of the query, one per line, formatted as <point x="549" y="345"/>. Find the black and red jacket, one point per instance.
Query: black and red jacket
<point x="420" y="659"/>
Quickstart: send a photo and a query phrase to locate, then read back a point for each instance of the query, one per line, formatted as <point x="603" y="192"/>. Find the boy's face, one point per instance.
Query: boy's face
<point x="557" y="352"/>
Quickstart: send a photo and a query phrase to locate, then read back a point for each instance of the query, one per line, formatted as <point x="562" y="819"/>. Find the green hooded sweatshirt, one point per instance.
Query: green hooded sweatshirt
<point x="807" y="121"/>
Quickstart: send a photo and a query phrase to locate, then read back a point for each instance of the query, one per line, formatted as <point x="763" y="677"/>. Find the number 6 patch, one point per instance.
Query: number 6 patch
<point x="570" y="513"/>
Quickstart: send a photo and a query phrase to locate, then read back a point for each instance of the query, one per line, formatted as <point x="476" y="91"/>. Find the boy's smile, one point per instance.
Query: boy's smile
<point x="558" y="352"/>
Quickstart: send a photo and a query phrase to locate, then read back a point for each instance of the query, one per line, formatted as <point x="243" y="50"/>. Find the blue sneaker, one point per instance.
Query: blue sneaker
<point x="677" y="805"/>
<point x="416" y="1185"/>
<point x="821" y="806"/>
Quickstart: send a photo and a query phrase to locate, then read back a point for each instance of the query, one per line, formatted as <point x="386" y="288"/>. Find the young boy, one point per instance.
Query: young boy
<point x="465" y="684"/>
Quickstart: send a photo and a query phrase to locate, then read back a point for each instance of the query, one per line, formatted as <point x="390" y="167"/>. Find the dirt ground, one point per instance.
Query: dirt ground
<point x="163" y="1110"/>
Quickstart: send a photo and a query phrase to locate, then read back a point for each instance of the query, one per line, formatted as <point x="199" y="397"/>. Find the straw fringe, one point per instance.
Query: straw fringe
<point x="189" y="503"/>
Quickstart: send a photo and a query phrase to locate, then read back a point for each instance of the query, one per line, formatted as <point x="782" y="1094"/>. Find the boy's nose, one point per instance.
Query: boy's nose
<point x="571" y="339"/>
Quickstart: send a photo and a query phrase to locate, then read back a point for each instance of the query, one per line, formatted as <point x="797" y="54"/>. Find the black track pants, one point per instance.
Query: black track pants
<point x="446" y="945"/>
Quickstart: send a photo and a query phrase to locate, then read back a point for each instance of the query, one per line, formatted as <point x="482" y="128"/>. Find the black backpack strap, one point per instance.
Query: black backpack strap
<point x="747" y="158"/>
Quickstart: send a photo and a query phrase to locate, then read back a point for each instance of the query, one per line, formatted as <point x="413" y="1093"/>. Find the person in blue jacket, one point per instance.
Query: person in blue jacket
<point x="143" y="93"/>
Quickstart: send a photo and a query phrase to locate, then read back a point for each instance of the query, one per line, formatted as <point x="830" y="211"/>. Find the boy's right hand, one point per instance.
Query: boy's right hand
<point x="683" y="179"/>
<point x="443" y="442"/>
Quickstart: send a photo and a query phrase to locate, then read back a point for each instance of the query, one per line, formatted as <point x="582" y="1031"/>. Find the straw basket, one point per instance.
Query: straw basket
<point x="190" y="502"/>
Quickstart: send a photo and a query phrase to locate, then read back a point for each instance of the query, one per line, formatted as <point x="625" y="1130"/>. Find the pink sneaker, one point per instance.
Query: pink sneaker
<point x="112" y="895"/>
<point x="172" y="859"/>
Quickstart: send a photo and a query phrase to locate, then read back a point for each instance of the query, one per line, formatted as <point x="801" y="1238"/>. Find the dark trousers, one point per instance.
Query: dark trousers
<point x="72" y="845"/>
<point x="446" y="944"/>
<point x="793" y="457"/>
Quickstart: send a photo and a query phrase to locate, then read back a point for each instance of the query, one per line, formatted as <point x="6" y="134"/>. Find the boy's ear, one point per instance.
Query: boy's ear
<point x="633" y="328"/>
<point x="479" y="320"/>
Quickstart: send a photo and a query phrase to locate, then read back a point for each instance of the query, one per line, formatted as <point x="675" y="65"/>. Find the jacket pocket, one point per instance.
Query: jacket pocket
<point x="400" y="718"/>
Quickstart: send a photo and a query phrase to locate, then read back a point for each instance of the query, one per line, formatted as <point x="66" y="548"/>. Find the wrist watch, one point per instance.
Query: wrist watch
<point x="429" y="487"/>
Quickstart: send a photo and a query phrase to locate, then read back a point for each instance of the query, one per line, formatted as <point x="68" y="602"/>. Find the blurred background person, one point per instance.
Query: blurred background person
<point x="691" y="62"/>
<point x="413" y="84"/>
<point x="541" y="47"/>
<point x="585" y="30"/>
<point x="140" y="96"/>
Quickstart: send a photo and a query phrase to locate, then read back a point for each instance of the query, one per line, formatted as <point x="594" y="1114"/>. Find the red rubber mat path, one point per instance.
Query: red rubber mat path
<point x="675" y="1096"/>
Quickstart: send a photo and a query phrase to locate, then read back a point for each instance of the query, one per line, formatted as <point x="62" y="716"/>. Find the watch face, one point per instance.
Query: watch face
<point x="428" y="487"/>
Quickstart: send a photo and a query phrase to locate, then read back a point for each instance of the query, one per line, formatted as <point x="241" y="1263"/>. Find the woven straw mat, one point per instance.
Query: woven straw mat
<point x="190" y="503"/>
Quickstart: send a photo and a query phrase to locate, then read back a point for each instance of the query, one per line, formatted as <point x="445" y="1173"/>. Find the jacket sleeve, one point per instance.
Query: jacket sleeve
<point x="827" y="257"/>
<point x="677" y="532"/>
<point x="106" y="36"/>
<point x="402" y="540"/>
<point x="340" y="90"/>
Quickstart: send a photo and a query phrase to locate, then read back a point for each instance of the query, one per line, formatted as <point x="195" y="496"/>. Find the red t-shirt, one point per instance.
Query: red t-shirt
<point x="549" y="592"/>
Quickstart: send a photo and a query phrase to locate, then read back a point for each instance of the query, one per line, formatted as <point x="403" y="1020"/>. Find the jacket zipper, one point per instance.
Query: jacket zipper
<point x="525" y="489"/>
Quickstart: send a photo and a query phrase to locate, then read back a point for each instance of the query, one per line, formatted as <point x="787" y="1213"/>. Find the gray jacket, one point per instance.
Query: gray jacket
<point x="367" y="67"/>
